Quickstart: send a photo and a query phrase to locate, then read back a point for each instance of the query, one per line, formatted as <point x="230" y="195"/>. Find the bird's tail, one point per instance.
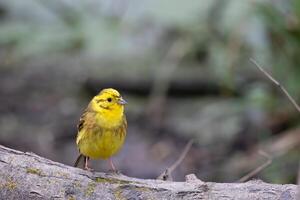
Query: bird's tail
<point x="79" y="159"/>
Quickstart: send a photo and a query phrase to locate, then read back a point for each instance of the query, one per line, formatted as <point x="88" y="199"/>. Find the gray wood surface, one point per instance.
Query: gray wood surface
<point x="28" y="176"/>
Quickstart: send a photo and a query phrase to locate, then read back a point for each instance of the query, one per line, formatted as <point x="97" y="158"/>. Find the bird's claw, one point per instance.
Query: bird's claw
<point x="89" y="169"/>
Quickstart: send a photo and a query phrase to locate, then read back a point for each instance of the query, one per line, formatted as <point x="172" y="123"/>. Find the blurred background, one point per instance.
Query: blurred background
<point x="184" y="68"/>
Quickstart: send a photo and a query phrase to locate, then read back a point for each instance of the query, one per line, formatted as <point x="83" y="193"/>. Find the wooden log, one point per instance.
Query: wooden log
<point x="28" y="176"/>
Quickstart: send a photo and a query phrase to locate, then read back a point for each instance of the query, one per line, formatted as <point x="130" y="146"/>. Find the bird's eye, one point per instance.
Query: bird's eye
<point x="109" y="99"/>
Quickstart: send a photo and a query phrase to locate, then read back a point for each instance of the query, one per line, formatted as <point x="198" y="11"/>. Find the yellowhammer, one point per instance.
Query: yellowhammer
<point x="102" y="128"/>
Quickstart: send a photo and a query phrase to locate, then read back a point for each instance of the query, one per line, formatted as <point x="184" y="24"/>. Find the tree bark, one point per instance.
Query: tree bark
<point x="28" y="176"/>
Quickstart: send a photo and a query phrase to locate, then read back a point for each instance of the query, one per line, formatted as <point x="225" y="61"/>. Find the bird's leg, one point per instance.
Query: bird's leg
<point x="86" y="164"/>
<point x="112" y="166"/>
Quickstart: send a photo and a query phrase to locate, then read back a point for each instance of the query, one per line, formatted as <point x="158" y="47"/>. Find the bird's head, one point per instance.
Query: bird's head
<point x="109" y="100"/>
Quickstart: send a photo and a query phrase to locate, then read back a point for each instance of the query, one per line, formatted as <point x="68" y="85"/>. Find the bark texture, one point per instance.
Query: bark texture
<point x="28" y="176"/>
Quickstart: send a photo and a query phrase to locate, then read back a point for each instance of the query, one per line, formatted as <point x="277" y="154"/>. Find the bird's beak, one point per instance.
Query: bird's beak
<point x="122" y="101"/>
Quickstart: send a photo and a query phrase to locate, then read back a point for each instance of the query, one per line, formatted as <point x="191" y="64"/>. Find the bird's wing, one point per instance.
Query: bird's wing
<point x="80" y="125"/>
<point x="81" y="120"/>
<point x="124" y="122"/>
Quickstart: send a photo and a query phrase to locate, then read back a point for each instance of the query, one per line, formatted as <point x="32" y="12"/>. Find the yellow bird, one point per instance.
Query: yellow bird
<point x="102" y="128"/>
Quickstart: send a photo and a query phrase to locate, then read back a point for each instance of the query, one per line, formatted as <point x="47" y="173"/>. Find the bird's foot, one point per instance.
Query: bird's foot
<point x="88" y="169"/>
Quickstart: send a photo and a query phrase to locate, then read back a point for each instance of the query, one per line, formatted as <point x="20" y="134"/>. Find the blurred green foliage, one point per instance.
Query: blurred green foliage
<point x="223" y="34"/>
<point x="283" y="26"/>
